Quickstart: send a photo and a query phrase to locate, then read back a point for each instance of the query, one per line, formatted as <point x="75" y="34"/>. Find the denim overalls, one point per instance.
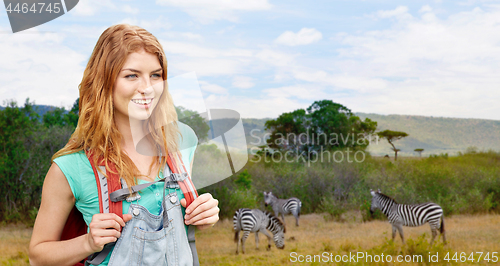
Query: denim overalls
<point x="158" y="240"/>
<point x="149" y="239"/>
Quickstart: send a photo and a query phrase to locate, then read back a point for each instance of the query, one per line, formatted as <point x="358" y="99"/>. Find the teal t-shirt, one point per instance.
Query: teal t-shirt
<point x="78" y="171"/>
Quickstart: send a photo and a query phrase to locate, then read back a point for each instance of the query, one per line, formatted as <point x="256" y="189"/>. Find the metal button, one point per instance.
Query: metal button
<point x="136" y="212"/>
<point x="173" y="199"/>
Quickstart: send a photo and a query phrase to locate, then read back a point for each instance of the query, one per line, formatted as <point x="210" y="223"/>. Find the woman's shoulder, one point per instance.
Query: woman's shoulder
<point x="71" y="158"/>
<point x="77" y="169"/>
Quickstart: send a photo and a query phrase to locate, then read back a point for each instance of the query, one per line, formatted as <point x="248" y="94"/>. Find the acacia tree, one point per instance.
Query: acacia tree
<point x="392" y="136"/>
<point x="419" y="151"/>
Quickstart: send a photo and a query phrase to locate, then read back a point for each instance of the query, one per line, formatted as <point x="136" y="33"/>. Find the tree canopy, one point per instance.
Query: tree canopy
<point x="392" y="136"/>
<point x="195" y="121"/>
<point x="322" y="126"/>
<point x="26" y="146"/>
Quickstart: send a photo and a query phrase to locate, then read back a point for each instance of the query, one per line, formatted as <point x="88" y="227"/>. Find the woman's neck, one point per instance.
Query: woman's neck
<point x="132" y="132"/>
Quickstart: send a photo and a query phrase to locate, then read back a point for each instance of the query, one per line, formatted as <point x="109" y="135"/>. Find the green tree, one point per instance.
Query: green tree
<point x="419" y="151"/>
<point x="325" y="125"/>
<point x="73" y="114"/>
<point x="288" y="131"/>
<point x="392" y="136"/>
<point x="244" y="180"/>
<point x="26" y="147"/>
<point x="60" y="117"/>
<point x="334" y="125"/>
<point x="195" y="121"/>
<point x="16" y="139"/>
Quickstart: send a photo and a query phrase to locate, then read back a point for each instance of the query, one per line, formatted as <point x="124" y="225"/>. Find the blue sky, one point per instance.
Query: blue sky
<point x="265" y="57"/>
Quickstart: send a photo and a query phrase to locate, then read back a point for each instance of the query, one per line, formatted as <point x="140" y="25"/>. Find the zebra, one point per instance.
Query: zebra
<point x="255" y="220"/>
<point x="409" y="215"/>
<point x="283" y="206"/>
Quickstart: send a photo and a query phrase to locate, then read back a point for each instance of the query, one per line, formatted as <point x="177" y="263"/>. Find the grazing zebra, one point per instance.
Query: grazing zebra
<point x="283" y="206"/>
<point x="255" y="220"/>
<point x="409" y="215"/>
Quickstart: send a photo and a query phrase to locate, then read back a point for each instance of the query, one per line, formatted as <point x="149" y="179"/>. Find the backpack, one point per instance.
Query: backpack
<point x="112" y="191"/>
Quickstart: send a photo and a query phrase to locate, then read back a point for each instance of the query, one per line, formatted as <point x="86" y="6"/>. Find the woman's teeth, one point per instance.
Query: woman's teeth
<point x="141" y="101"/>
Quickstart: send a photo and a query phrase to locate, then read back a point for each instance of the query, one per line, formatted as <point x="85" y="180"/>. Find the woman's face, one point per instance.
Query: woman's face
<point x="138" y="87"/>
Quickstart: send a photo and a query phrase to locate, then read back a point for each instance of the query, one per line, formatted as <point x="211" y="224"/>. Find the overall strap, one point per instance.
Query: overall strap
<point x="190" y="194"/>
<point x="104" y="187"/>
<point x="183" y="179"/>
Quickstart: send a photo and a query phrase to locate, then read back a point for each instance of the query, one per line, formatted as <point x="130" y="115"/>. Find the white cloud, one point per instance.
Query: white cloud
<point x="187" y="57"/>
<point x="91" y="7"/>
<point x="399" y="12"/>
<point x="208" y="11"/>
<point x="258" y="107"/>
<point x="188" y="49"/>
<point x="303" y="37"/>
<point x="192" y="36"/>
<point x="425" y="8"/>
<point x="426" y="66"/>
<point x="38" y="66"/>
<point x="275" y="58"/>
<point x="308" y="92"/>
<point x="160" y="23"/>
<point x="213" y="88"/>
<point x="130" y="10"/>
<point x="205" y="67"/>
<point x="243" y="82"/>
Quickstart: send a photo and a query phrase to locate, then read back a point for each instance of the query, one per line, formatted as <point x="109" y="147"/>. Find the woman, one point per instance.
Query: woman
<point x="124" y="107"/>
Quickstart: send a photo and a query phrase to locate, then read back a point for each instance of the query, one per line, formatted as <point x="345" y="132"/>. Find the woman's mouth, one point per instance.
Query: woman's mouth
<point x="143" y="102"/>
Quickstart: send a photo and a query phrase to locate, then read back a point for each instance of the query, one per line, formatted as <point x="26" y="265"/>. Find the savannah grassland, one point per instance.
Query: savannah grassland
<point x="335" y="213"/>
<point x="315" y="235"/>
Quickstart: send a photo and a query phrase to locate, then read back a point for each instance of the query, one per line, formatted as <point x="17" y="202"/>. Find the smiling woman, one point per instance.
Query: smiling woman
<point x="125" y="109"/>
<point x="138" y="86"/>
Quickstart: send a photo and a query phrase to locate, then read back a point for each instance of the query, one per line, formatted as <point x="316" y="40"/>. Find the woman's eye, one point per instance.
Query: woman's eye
<point x="156" y="75"/>
<point x="131" y="76"/>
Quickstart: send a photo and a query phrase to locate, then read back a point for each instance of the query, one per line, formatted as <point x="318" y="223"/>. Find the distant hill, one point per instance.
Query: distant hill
<point x="433" y="134"/>
<point x="40" y="109"/>
<point x="436" y="134"/>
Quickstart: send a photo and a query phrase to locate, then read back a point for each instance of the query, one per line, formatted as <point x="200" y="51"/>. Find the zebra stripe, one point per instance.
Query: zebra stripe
<point x="400" y="215"/>
<point x="283" y="206"/>
<point x="256" y="221"/>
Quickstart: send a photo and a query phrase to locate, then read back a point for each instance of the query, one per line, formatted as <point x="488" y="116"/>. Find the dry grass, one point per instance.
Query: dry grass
<point x="315" y="235"/>
<point x="14" y="241"/>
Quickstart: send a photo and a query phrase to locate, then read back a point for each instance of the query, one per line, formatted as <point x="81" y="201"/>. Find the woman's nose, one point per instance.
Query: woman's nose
<point x="146" y="87"/>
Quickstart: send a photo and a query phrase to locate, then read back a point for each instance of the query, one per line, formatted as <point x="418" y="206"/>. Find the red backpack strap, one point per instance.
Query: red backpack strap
<point x="183" y="179"/>
<point x="105" y="186"/>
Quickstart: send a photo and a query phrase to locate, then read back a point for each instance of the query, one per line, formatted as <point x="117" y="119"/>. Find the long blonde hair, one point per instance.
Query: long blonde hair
<point x="96" y="129"/>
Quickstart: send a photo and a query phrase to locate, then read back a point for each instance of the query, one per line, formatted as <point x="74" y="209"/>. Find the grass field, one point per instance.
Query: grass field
<point x="315" y="235"/>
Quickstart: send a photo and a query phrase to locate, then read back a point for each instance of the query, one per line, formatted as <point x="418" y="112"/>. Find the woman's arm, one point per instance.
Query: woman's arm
<point x="57" y="201"/>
